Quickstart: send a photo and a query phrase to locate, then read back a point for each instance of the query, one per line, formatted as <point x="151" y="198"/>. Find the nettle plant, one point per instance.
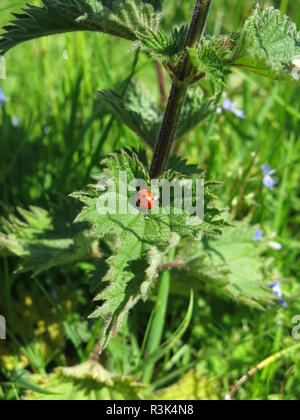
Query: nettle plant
<point x="129" y="251"/>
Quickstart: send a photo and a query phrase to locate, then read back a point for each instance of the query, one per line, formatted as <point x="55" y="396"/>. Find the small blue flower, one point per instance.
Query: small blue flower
<point x="258" y="235"/>
<point x="239" y="113"/>
<point x="276" y="289"/>
<point x="282" y="303"/>
<point x="228" y="105"/>
<point x="2" y="97"/>
<point x="268" y="179"/>
<point x="269" y="182"/>
<point x="266" y="169"/>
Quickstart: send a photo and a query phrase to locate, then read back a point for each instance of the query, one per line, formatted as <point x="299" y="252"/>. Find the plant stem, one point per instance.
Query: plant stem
<point x="198" y="22"/>
<point x="168" y="129"/>
<point x="178" y="91"/>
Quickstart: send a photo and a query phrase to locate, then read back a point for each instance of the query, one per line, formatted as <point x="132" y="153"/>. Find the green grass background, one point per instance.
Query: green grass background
<point x="51" y="84"/>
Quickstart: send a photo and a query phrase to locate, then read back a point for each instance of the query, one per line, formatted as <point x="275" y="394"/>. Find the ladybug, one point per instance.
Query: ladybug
<point x="145" y="199"/>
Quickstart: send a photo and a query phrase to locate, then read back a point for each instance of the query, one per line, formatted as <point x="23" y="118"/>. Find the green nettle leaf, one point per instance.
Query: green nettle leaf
<point x="122" y="18"/>
<point x="269" y="45"/>
<point x="214" y="56"/>
<point x="137" y="110"/>
<point x="33" y="239"/>
<point x="140" y="113"/>
<point x="88" y="381"/>
<point x="127" y="279"/>
<point x="249" y="275"/>
<point x="206" y="60"/>
<point x="164" y="47"/>
<point x="235" y="263"/>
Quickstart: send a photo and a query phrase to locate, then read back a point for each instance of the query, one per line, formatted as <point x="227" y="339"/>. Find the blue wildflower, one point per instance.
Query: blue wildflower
<point x="228" y="105"/>
<point x="266" y="169"/>
<point x="258" y="235"/>
<point x="268" y="179"/>
<point x="2" y="97"/>
<point x="276" y="289"/>
<point x="269" y="182"/>
<point x="239" y="113"/>
<point x="282" y="303"/>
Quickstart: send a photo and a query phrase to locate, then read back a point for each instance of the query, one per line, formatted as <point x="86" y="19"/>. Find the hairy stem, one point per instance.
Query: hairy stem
<point x="198" y="22"/>
<point x="168" y="129"/>
<point x="178" y="91"/>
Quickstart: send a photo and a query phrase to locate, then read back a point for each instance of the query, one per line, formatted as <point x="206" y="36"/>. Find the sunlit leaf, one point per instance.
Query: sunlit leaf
<point x="88" y="381"/>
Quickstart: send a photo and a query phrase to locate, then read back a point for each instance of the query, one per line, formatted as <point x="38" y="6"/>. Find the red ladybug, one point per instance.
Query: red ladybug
<point x="145" y="200"/>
